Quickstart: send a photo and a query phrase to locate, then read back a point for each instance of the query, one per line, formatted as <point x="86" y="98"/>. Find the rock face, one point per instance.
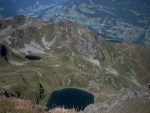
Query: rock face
<point x="3" y="52"/>
<point x="72" y="57"/>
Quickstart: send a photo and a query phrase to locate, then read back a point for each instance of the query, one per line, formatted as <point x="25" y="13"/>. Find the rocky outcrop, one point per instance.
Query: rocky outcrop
<point x="3" y="52"/>
<point x="40" y="95"/>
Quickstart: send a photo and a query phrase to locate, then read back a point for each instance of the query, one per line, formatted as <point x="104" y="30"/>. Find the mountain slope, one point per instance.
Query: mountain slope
<point x="72" y="57"/>
<point x="137" y="103"/>
<point x="127" y="20"/>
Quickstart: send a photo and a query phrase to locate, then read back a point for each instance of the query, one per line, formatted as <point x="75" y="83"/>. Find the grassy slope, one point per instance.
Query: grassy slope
<point x="14" y="105"/>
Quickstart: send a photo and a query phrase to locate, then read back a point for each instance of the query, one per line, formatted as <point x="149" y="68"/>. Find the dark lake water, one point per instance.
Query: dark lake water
<point x="29" y="57"/>
<point x="70" y="98"/>
<point x="114" y="41"/>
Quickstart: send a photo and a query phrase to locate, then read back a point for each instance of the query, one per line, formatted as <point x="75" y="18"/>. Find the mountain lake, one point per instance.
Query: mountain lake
<point x="30" y="57"/>
<point x="70" y="98"/>
<point x="115" y="41"/>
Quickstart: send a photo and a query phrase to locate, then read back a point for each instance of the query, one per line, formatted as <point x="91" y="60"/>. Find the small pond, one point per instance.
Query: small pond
<point x="30" y="57"/>
<point x="70" y="98"/>
<point x="114" y="41"/>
